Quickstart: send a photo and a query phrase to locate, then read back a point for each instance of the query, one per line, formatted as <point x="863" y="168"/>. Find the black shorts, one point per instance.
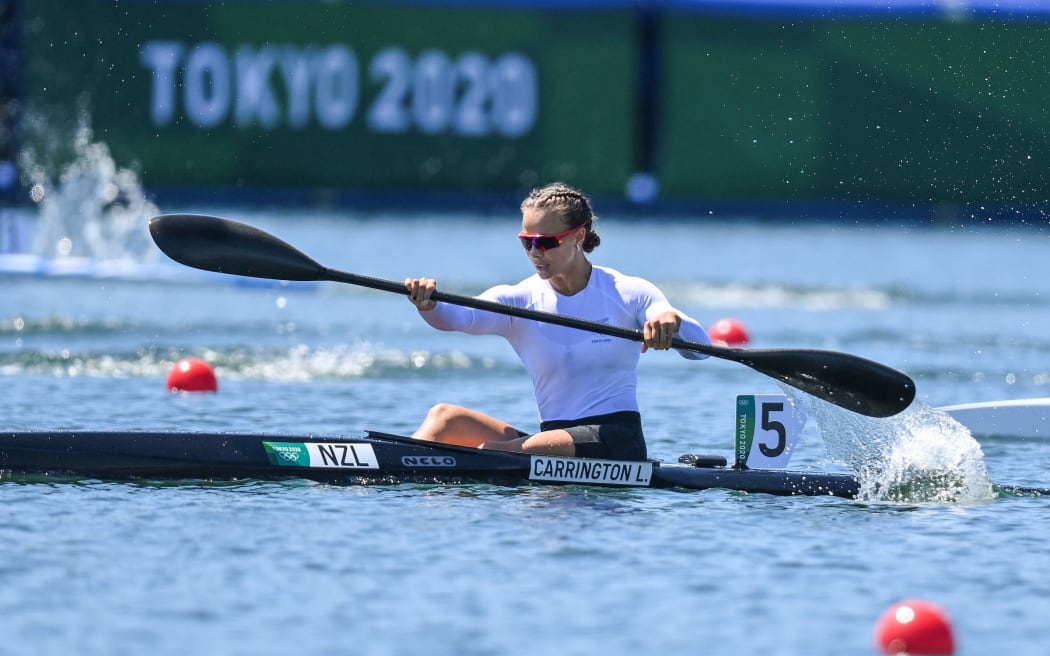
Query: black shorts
<point x="615" y="436"/>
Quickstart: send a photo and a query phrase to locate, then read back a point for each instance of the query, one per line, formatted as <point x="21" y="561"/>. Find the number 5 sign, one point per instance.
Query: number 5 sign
<point x="767" y="428"/>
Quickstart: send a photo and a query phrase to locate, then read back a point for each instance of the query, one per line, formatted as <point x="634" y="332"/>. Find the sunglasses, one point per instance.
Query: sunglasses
<point x="544" y="242"/>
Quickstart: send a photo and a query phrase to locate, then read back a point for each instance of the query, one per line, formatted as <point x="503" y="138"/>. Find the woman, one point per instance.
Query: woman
<point x="585" y="382"/>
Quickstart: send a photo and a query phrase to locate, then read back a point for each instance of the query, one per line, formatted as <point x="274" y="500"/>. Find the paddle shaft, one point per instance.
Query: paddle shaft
<point x="334" y="275"/>
<point x="215" y="244"/>
<point x="835" y="377"/>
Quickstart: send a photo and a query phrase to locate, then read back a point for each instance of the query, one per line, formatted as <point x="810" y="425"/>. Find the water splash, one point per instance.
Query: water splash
<point x="921" y="454"/>
<point x="95" y="209"/>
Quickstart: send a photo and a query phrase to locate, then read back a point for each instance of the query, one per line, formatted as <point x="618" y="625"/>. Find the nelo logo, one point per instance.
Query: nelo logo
<point x="428" y="461"/>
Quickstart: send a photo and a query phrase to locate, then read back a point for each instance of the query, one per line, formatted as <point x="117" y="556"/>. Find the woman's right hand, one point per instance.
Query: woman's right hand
<point x="419" y="291"/>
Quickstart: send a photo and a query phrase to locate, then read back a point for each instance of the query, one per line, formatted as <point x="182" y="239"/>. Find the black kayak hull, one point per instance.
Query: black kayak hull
<point x="372" y="457"/>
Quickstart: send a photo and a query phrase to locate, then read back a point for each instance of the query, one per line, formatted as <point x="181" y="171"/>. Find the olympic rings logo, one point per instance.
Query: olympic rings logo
<point x="290" y="454"/>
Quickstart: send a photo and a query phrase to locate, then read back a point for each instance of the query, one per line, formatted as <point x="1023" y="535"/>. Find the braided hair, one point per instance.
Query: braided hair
<point x="574" y="207"/>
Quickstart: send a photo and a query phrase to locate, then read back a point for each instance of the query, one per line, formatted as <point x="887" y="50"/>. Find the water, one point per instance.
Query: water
<point x="253" y="567"/>
<point x="93" y="208"/>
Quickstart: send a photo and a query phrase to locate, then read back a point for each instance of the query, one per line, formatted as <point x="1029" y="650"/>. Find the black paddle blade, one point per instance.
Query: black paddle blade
<point x="848" y="381"/>
<point x="214" y="244"/>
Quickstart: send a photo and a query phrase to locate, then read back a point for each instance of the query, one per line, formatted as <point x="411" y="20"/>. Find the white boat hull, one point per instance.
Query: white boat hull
<point x="1028" y="418"/>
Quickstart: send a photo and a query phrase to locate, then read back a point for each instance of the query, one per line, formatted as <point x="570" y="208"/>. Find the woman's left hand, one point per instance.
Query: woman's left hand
<point x="660" y="330"/>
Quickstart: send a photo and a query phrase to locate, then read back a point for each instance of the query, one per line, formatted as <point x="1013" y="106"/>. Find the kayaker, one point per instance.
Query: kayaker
<point x="585" y="383"/>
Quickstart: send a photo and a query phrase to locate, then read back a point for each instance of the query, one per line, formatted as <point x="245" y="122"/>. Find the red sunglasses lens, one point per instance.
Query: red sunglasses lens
<point x="541" y="242"/>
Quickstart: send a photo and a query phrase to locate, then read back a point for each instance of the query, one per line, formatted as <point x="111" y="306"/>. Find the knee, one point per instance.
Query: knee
<point x="439" y="422"/>
<point x="443" y="414"/>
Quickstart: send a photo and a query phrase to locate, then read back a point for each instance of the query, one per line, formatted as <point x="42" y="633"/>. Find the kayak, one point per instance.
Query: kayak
<point x="374" y="457"/>
<point x="1027" y="418"/>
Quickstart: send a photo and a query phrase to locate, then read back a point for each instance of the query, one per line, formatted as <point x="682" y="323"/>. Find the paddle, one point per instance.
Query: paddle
<point x="214" y="244"/>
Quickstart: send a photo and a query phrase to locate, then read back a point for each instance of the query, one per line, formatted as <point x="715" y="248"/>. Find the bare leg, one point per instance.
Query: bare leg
<point x="553" y="443"/>
<point x="453" y="424"/>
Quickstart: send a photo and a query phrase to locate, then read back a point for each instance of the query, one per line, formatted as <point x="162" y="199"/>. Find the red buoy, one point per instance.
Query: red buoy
<point x="729" y="332"/>
<point x="914" y="627"/>
<point x="192" y="375"/>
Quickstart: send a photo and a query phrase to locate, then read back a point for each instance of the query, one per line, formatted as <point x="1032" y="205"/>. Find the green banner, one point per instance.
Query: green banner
<point x="918" y="109"/>
<point x="912" y="109"/>
<point x="337" y="95"/>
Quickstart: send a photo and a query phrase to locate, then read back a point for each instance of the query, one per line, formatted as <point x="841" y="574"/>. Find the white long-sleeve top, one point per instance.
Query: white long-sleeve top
<point x="575" y="373"/>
